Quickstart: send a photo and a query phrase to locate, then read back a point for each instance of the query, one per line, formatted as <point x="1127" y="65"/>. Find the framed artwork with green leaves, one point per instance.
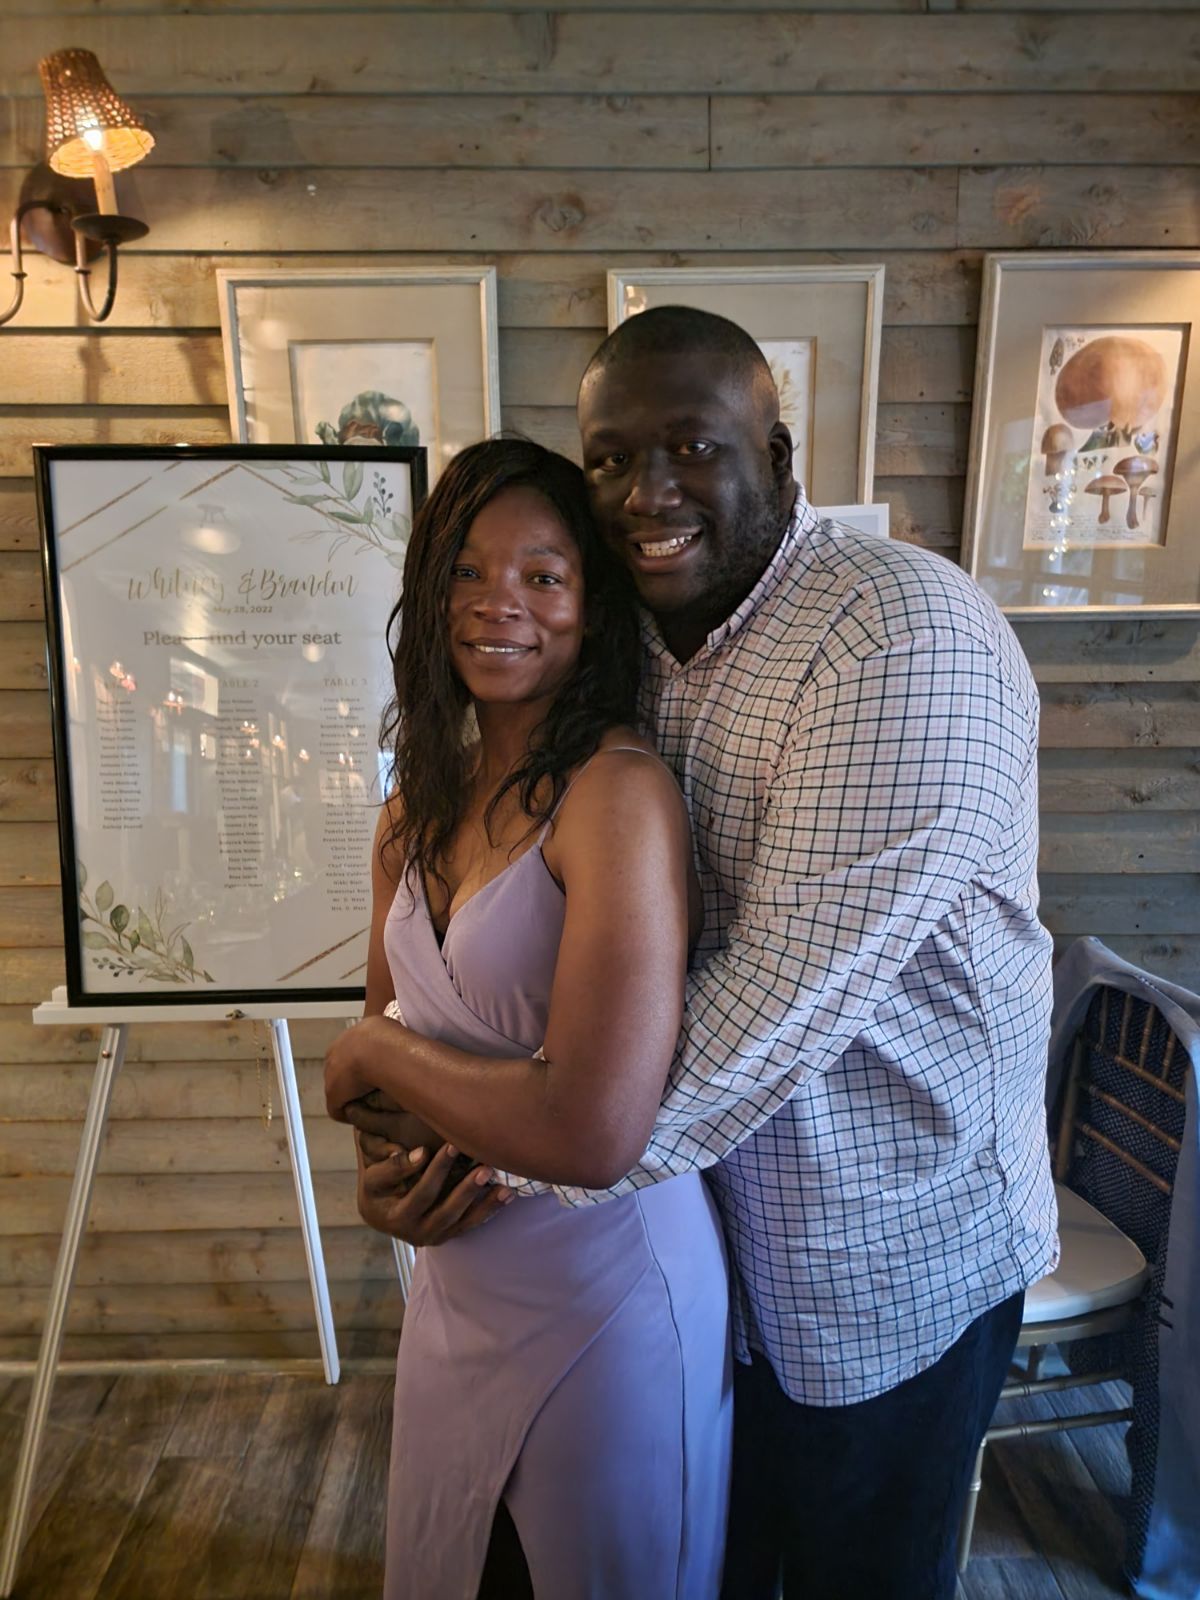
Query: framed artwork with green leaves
<point x="362" y="356"/>
<point x="217" y="622"/>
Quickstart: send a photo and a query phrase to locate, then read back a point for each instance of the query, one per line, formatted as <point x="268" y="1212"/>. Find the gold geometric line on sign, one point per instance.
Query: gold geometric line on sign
<point x="224" y="473"/>
<point x="359" y="968"/>
<point x="62" y="532"/>
<point x="279" y="488"/>
<point x="80" y="559"/>
<point x="320" y="956"/>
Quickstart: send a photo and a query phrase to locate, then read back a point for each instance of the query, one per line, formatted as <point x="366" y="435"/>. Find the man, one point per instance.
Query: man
<point x="863" y="1049"/>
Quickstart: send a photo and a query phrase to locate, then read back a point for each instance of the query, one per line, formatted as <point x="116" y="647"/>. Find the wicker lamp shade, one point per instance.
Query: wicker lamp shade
<point x="79" y="101"/>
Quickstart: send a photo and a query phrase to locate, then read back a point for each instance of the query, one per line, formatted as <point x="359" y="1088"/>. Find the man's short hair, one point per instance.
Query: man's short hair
<point x="682" y="330"/>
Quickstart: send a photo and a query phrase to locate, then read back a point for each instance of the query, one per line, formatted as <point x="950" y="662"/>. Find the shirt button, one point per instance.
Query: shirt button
<point x="987" y="1157"/>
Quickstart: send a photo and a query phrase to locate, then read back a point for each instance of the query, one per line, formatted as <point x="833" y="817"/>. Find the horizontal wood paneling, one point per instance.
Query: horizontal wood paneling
<point x="553" y="143"/>
<point x="26" y="1044"/>
<point x="1111" y="905"/>
<point x="28" y="856"/>
<point x="851" y="130"/>
<point x="540" y="290"/>
<point x="617" y="131"/>
<point x="23" y="656"/>
<point x="1111" y="716"/>
<point x="1063" y="651"/>
<point x="156" y="1088"/>
<point x="26" y="789"/>
<point x="1119" y="780"/>
<point x="83" y="424"/>
<point x="192" y="1202"/>
<point x="532" y="52"/>
<point x="364" y="209"/>
<point x="25" y="722"/>
<point x="235" y="1256"/>
<point x="86" y="8"/>
<point x="201" y="1144"/>
<point x="1084" y="208"/>
<point x="1139" y="843"/>
<point x="30" y="917"/>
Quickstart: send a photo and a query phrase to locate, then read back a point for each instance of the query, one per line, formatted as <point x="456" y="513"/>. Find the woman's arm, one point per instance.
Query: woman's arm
<point x="398" y="1195"/>
<point x="583" y="1115"/>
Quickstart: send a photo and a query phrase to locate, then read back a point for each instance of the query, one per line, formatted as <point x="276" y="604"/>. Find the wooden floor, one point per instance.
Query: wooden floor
<point x="248" y="1487"/>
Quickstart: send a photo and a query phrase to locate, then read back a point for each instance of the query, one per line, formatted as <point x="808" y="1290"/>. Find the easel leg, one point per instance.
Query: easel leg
<point x="405" y="1258"/>
<point x="108" y="1064"/>
<point x="281" y="1045"/>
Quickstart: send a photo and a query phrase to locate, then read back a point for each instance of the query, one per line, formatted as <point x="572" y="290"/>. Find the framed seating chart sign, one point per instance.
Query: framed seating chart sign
<point x="385" y="356"/>
<point x="217" y="623"/>
<point x="1083" y="490"/>
<point x="820" y="330"/>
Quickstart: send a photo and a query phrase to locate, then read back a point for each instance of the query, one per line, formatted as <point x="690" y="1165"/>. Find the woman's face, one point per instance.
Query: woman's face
<point x="516" y="611"/>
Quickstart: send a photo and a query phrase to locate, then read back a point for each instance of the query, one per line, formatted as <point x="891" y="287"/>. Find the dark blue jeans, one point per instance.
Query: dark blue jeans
<point x="862" y="1502"/>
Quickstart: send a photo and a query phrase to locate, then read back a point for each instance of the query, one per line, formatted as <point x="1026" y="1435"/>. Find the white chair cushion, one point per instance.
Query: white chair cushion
<point x="1099" y="1266"/>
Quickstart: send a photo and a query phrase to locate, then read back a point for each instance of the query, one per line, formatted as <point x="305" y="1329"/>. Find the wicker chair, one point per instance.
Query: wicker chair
<point x="1118" y="1143"/>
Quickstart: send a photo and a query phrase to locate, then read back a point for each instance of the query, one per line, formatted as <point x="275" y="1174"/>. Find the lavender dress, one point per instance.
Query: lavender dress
<point x="572" y="1361"/>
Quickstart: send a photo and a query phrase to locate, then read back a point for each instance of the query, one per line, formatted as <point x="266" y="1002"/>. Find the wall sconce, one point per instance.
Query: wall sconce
<point x="90" y="134"/>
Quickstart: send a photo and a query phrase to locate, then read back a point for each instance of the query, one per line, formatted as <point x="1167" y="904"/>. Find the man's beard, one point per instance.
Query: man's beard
<point x="736" y="567"/>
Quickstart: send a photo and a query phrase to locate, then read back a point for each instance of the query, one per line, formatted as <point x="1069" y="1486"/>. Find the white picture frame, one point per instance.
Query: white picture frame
<point x="400" y="356"/>
<point x="820" y="327"/>
<point x="1083" y="483"/>
<point x="873" y="519"/>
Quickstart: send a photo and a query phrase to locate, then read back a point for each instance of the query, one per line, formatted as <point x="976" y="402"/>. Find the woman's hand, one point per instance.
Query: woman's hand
<point x="347" y="1064"/>
<point x="399" y="1193"/>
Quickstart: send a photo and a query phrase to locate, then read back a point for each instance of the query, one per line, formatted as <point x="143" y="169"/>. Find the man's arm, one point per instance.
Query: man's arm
<point x="890" y="797"/>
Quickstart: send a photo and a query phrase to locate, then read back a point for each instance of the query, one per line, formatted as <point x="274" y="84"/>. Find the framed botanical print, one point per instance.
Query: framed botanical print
<point x="819" y="328"/>
<point x="395" y="357"/>
<point x="1083" y="492"/>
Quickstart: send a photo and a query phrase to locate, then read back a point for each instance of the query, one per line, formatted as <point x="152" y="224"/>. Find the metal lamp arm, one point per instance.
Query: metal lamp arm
<point x="83" y="272"/>
<point x="82" y="266"/>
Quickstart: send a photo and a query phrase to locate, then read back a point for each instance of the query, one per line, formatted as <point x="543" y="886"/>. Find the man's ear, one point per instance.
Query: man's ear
<point x="779" y="447"/>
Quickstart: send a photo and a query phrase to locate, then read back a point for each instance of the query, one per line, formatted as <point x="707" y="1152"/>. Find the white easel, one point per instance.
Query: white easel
<point x="115" y="1023"/>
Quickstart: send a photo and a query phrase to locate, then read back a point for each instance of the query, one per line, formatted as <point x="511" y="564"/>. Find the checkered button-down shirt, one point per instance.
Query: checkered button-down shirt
<point x="863" y="1051"/>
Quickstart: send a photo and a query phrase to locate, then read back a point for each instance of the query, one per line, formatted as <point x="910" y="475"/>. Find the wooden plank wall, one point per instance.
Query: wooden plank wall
<point x="553" y="143"/>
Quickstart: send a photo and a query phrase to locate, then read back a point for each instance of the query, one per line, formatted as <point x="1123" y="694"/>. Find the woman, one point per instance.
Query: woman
<point x="531" y="922"/>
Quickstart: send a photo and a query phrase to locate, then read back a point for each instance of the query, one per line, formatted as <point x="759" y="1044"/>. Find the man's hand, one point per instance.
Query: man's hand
<point x="380" y="1117"/>
<point x="399" y="1193"/>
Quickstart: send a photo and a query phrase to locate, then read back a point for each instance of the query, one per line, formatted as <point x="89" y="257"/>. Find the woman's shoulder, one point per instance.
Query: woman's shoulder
<point x="625" y="771"/>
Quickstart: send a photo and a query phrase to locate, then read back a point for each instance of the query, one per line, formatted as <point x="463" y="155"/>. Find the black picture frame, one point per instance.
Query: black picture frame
<point x="45" y="459"/>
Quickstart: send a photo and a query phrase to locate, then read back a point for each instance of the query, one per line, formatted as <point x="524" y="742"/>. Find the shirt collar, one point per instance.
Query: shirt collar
<point x="802" y="522"/>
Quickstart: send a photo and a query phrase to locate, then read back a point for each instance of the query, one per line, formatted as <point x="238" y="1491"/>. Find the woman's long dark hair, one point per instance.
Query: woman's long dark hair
<point x="424" y="723"/>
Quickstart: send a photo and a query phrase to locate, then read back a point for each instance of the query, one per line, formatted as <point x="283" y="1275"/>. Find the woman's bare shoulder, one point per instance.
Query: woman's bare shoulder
<point x="625" y="776"/>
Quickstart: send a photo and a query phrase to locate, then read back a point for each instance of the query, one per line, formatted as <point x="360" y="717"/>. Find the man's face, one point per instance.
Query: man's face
<point x="689" y="474"/>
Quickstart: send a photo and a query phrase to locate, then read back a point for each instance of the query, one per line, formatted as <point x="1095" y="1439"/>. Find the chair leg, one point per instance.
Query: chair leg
<point x="1033" y="1365"/>
<point x="967" y="1526"/>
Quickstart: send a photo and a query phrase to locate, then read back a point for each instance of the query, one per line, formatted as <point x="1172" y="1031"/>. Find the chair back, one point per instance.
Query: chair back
<point x="1123" y="1114"/>
<point x="1118" y="1146"/>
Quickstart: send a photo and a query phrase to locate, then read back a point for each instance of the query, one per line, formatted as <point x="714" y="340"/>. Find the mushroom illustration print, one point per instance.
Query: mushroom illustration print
<point x="1106" y="486"/>
<point x="1134" y="470"/>
<point x="1058" y="442"/>
<point x="1115" y="382"/>
<point x="1103" y="419"/>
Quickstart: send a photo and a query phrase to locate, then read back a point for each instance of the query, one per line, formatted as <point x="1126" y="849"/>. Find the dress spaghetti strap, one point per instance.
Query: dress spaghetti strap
<point x="633" y="749"/>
